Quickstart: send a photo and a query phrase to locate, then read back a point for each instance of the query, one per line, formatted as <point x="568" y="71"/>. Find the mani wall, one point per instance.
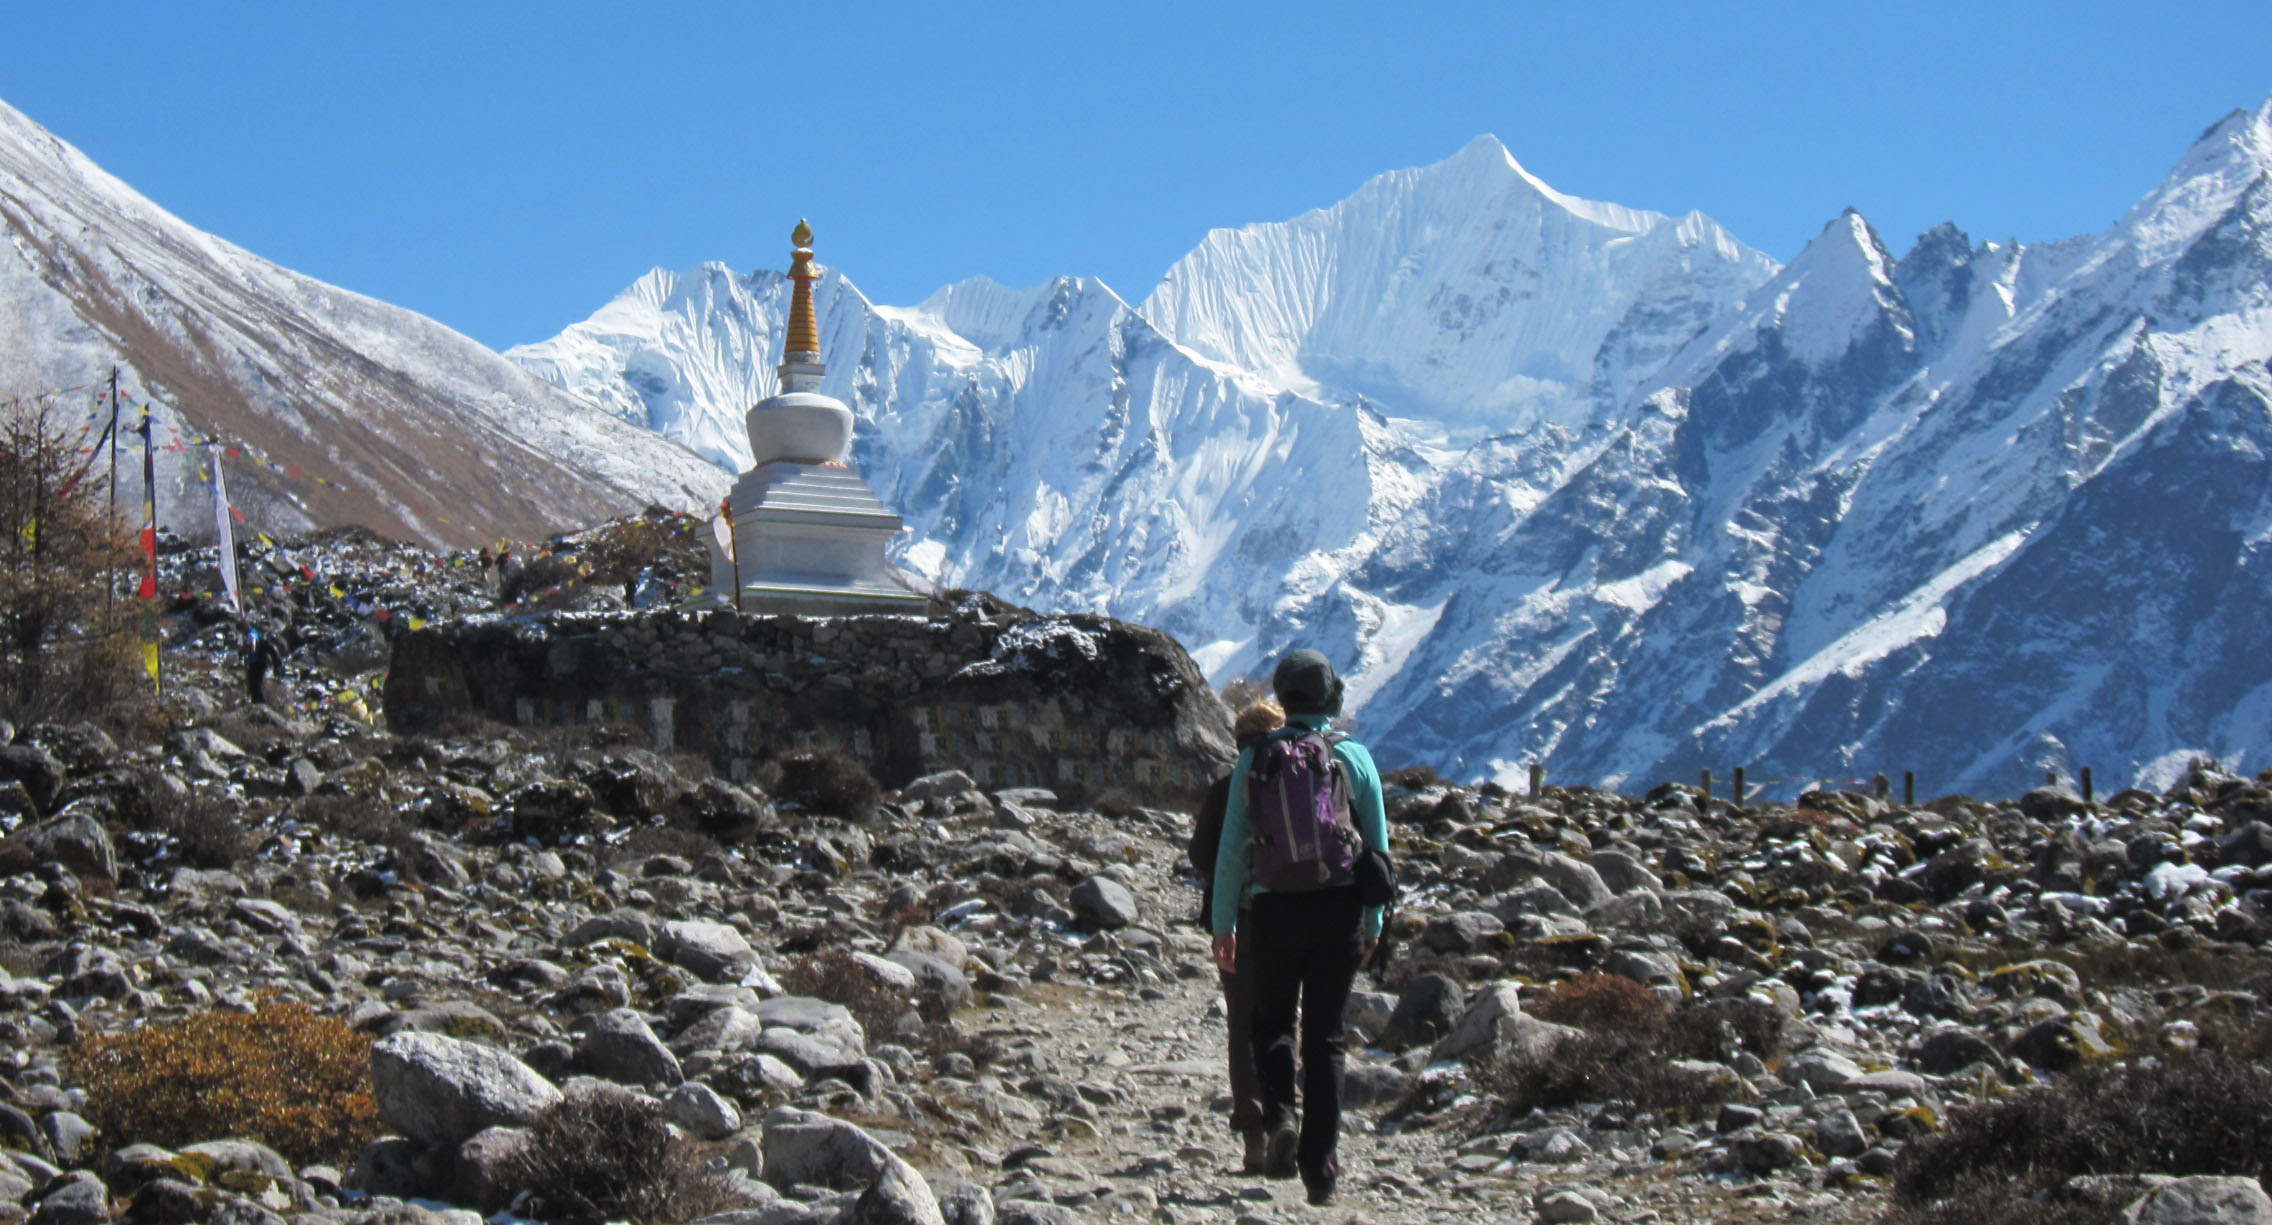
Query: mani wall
<point x="1078" y="704"/>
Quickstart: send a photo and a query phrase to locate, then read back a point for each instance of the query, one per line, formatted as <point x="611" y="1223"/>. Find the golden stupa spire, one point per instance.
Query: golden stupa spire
<point x="802" y="347"/>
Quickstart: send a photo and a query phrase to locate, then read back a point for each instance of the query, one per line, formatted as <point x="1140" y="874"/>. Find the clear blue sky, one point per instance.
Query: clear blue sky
<point x="508" y="167"/>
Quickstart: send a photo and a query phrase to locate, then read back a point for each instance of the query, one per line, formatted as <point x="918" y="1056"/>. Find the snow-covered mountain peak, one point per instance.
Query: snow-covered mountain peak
<point x="995" y="317"/>
<point x="2229" y="158"/>
<point x="1839" y="288"/>
<point x="1486" y="162"/>
<point x="1467" y="292"/>
<point x="1841" y="283"/>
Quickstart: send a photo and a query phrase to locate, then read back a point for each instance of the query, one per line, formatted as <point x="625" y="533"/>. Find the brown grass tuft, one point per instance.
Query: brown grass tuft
<point x="282" y="1075"/>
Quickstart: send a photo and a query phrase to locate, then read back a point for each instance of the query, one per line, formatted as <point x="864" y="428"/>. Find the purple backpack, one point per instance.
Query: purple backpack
<point x="1305" y="830"/>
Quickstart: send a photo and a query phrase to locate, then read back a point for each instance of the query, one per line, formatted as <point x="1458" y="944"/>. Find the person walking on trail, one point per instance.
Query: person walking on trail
<point x="1289" y="852"/>
<point x="1254" y="724"/>
<point x="261" y="655"/>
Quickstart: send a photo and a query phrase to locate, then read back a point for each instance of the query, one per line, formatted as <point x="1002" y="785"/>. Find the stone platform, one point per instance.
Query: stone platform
<point x="1079" y="704"/>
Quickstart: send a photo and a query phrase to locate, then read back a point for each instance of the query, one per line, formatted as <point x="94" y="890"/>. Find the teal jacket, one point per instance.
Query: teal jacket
<point x="1232" y="855"/>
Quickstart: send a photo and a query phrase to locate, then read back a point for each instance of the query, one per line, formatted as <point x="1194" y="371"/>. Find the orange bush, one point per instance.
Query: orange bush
<point x="295" y="1081"/>
<point x="1602" y="1003"/>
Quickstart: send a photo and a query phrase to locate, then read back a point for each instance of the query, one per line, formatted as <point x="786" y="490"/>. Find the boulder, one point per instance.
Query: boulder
<point x="712" y="952"/>
<point x="1574" y="879"/>
<point x="722" y="810"/>
<point x="2202" y="1200"/>
<point x="1623" y="873"/>
<point x="1840" y="1134"/>
<point x="802" y="1146"/>
<point x="1459" y="932"/>
<point x="1764" y="1152"/>
<point x="619" y="1046"/>
<point x="1951" y="1050"/>
<point x="78" y="1198"/>
<point x="898" y="1196"/>
<point x="74" y="838"/>
<point x="1494" y="1027"/>
<point x="1425" y="1011"/>
<point x="1105" y="903"/>
<point x="935" y="943"/>
<point x="441" y="1090"/>
<point x="40" y="774"/>
<point x="484" y="1166"/>
<point x="936" y="981"/>
<point x="700" y="1110"/>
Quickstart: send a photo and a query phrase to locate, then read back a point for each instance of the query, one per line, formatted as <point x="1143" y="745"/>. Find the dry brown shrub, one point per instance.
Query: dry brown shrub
<point x="1597" y="1001"/>
<point x="1629" y="1068"/>
<point x="612" y="1156"/>
<point x="210" y="830"/>
<point x="282" y="1075"/>
<point x="361" y="818"/>
<point x="831" y="782"/>
<point x="2207" y="1113"/>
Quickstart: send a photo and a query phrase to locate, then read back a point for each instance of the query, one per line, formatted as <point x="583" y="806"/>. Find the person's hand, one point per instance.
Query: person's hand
<point x="1227" y="953"/>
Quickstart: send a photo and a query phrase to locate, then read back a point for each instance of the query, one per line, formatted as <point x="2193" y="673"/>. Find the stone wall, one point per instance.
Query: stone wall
<point x="1081" y="705"/>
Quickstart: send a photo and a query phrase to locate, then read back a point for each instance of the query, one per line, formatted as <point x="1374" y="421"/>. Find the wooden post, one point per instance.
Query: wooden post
<point x="1738" y="785"/>
<point x="1879" y="787"/>
<point x="2086" y="784"/>
<point x="1537" y="779"/>
<point x="1707" y="786"/>
<point x="1909" y="789"/>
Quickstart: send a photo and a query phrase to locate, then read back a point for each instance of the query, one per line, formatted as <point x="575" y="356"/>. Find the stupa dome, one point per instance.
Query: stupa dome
<point x="803" y="426"/>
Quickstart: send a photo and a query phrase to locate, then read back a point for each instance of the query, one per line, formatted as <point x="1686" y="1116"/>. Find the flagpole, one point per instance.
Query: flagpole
<point x="110" y="500"/>
<point x="149" y="590"/>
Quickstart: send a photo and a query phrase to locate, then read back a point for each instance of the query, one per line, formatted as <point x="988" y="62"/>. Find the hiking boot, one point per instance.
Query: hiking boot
<point x="1320" y="1186"/>
<point x="1257" y="1150"/>
<point x="1285" y="1153"/>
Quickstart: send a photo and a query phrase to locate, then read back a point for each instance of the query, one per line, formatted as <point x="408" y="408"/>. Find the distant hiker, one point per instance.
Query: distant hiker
<point x="509" y="577"/>
<point x="1254" y="724"/>
<point x="261" y="655"/>
<point x="1290" y="852"/>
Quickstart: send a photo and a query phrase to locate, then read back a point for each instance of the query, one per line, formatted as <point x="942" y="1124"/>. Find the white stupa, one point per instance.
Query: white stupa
<point x="808" y="534"/>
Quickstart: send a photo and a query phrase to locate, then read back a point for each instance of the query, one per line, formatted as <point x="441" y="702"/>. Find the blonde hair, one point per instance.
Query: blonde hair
<point x="1258" y="719"/>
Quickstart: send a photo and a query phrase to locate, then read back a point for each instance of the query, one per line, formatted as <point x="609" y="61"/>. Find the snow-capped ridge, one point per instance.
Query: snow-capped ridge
<point x="357" y="411"/>
<point x="995" y="317"/>
<point x="2231" y="156"/>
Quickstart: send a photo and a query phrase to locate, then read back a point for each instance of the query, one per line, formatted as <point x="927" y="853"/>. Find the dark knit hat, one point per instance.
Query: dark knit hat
<point x="1306" y="684"/>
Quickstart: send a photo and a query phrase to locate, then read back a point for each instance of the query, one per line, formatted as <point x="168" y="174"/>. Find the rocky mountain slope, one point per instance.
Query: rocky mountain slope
<point x="559" y="960"/>
<point x="365" y="413"/>
<point x="1568" y="482"/>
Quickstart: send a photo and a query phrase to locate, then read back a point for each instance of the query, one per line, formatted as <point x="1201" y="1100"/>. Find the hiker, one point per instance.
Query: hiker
<point x="509" y="573"/>
<point x="1289" y="853"/>
<point x="261" y="655"/>
<point x="1254" y="724"/>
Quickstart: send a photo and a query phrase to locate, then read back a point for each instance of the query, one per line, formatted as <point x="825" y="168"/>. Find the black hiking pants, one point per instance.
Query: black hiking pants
<point x="1301" y="949"/>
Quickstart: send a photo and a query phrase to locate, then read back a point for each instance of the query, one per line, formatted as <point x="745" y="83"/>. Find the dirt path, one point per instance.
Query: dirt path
<point x="1148" y="1054"/>
<point x="1148" y="1139"/>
